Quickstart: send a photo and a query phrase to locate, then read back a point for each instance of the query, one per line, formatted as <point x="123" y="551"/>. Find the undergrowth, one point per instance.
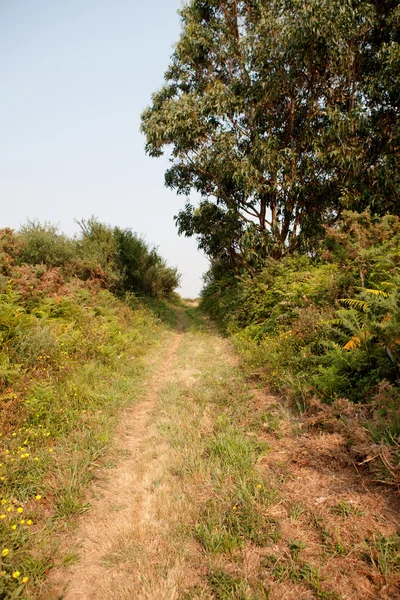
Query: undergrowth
<point x="325" y="329"/>
<point x="71" y="353"/>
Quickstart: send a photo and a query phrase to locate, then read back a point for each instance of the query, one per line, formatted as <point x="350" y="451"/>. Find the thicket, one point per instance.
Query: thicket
<point x="113" y="258"/>
<point x="325" y="327"/>
<point x="74" y="329"/>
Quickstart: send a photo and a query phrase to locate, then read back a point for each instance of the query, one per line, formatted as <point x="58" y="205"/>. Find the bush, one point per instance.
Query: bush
<point x="327" y="325"/>
<point x="44" y="244"/>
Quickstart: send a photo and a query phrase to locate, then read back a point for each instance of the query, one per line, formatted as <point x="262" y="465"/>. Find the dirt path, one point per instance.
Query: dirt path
<point x="219" y="493"/>
<point x="123" y="512"/>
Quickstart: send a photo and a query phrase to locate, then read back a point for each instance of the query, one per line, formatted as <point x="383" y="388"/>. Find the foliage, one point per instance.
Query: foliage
<point x="280" y="114"/>
<point x="142" y="268"/>
<point x="65" y="367"/>
<point x="43" y="261"/>
<point x="70" y="354"/>
<point x="42" y="243"/>
<point x="325" y="327"/>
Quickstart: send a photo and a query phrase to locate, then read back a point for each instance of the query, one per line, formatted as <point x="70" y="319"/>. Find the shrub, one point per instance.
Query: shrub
<point x="42" y="243"/>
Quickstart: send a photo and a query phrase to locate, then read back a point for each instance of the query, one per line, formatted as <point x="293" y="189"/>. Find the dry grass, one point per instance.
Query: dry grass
<point x="220" y="493"/>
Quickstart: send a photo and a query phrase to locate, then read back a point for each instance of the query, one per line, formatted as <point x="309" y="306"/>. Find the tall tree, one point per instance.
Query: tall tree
<point x="271" y="110"/>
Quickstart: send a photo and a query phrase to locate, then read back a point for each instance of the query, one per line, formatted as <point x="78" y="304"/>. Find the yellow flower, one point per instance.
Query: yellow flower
<point x="2" y="516"/>
<point x="5" y="552"/>
<point x="4" y="501"/>
<point x="234" y="508"/>
<point x="10" y="509"/>
<point x="22" y="521"/>
<point x="13" y="527"/>
<point x="20" y="510"/>
<point x="25" y="579"/>
<point x="29" y="522"/>
<point x="259" y="486"/>
<point x="50" y="449"/>
<point x="38" y="497"/>
<point x="16" y="574"/>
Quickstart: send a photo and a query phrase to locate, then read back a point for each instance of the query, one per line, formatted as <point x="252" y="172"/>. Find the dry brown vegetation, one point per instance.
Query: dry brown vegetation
<point x="220" y="492"/>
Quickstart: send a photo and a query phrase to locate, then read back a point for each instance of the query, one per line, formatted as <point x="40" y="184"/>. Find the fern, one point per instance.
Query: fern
<point x="380" y="293"/>
<point x="355" y="303"/>
<point x="354" y="342"/>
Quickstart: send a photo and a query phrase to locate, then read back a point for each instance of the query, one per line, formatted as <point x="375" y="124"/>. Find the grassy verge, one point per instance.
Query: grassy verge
<point x="79" y="361"/>
<point x="262" y="526"/>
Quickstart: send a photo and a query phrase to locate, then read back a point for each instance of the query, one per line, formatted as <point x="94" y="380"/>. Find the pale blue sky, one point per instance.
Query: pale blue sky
<point x="74" y="79"/>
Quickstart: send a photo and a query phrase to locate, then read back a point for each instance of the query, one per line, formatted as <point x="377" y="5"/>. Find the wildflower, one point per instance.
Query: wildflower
<point x="50" y="449"/>
<point x="25" y="579"/>
<point x="16" y="574"/>
<point x="5" y="552"/>
<point x="3" y="573"/>
<point x="22" y="521"/>
<point x="259" y="486"/>
<point x="234" y="508"/>
<point x="13" y="527"/>
<point x="38" y="497"/>
<point x="20" y="510"/>
<point x="29" y="522"/>
<point x="10" y="509"/>
<point x="2" y="516"/>
<point x="4" y="501"/>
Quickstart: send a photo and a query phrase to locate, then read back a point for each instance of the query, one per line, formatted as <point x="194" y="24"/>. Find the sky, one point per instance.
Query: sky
<point x="74" y="79"/>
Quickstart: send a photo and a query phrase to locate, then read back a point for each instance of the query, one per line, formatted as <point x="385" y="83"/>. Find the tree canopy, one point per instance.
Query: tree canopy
<point x="280" y="113"/>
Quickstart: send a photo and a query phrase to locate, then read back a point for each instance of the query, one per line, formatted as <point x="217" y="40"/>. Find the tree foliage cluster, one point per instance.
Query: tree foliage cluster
<point x="280" y="114"/>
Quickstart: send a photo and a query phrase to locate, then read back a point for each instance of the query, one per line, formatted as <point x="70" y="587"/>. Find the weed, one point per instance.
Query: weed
<point x="301" y="573"/>
<point x="296" y="510"/>
<point x="296" y="546"/>
<point x="227" y="587"/>
<point x="70" y="558"/>
<point x="384" y="553"/>
<point x="346" y="509"/>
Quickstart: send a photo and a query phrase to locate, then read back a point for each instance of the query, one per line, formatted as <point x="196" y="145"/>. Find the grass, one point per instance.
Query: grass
<point x="384" y="553"/>
<point x="346" y="509"/>
<point x="227" y="587"/>
<point x="300" y="572"/>
<point x="295" y="511"/>
<point x="203" y="417"/>
<point x="223" y="521"/>
<point x="81" y="362"/>
<point x="209" y="417"/>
